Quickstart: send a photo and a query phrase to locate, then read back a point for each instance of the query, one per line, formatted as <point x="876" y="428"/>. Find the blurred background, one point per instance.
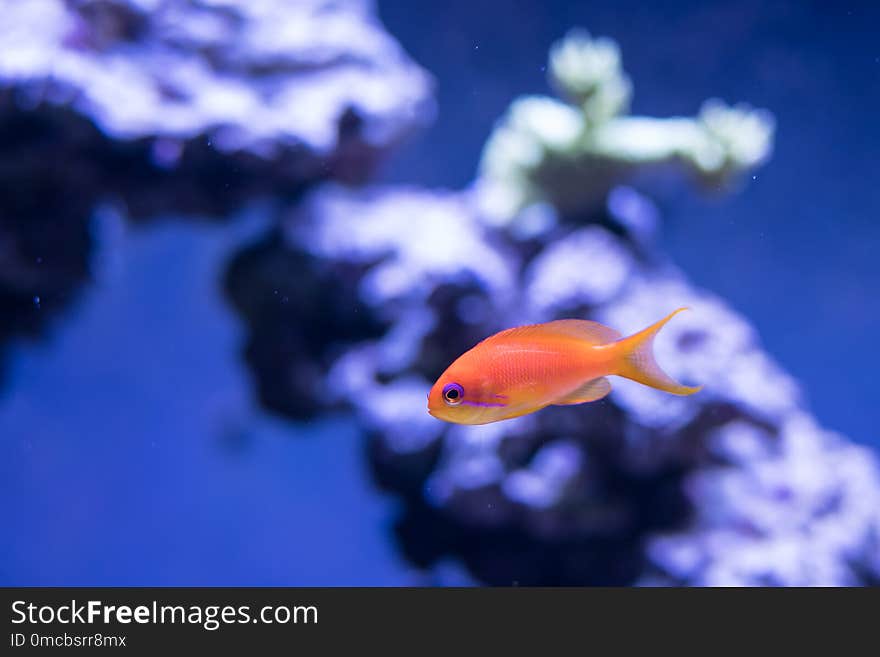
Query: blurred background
<point x="804" y="233"/>
<point x="216" y="332"/>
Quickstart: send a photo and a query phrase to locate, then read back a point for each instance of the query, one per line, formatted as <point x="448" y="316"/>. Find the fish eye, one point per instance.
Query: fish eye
<point x="453" y="394"/>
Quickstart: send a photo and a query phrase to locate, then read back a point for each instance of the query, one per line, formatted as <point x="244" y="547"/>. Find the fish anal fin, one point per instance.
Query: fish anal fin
<point x="590" y="391"/>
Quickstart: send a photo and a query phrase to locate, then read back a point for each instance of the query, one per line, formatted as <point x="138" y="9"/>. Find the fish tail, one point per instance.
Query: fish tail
<point x="636" y="360"/>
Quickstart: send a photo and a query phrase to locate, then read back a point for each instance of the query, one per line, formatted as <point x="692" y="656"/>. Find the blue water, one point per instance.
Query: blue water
<point x="132" y="451"/>
<point x="133" y="454"/>
<point x="798" y="250"/>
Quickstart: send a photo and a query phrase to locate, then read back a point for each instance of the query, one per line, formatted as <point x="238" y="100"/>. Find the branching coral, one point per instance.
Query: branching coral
<point x="361" y="297"/>
<point x="572" y="153"/>
<point x="736" y="485"/>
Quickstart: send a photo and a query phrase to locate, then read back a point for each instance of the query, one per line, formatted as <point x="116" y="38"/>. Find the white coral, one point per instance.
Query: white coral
<point x="588" y="71"/>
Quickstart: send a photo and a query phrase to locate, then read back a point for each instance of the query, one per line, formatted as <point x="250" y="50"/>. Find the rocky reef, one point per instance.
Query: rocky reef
<point x="188" y="104"/>
<point x="179" y="107"/>
<point x="734" y="486"/>
<point x="359" y="295"/>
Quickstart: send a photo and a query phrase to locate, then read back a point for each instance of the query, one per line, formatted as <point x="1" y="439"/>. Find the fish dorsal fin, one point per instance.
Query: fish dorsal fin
<point x="592" y="332"/>
<point x="590" y="391"/>
<point x="582" y="329"/>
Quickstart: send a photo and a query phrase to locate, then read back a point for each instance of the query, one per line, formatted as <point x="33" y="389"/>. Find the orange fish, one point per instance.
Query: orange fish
<point x="522" y="370"/>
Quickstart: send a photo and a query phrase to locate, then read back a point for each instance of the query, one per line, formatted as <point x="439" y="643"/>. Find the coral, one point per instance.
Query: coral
<point x="572" y="153"/>
<point x="270" y="91"/>
<point x="176" y="107"/>
<point x="736" y="485"/>
<point x="798" y="507"/>
<point x="360" y="296"/>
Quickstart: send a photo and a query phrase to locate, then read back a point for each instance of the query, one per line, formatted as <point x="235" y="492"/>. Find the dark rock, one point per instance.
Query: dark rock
<point x="172" y="107"/>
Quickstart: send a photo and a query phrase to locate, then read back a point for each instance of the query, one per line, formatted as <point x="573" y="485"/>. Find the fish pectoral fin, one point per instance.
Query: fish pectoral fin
<point x="590" y="391"/>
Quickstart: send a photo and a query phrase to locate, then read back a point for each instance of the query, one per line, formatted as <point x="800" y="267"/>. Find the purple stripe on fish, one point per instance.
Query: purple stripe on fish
<point x="483" y="404"/>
